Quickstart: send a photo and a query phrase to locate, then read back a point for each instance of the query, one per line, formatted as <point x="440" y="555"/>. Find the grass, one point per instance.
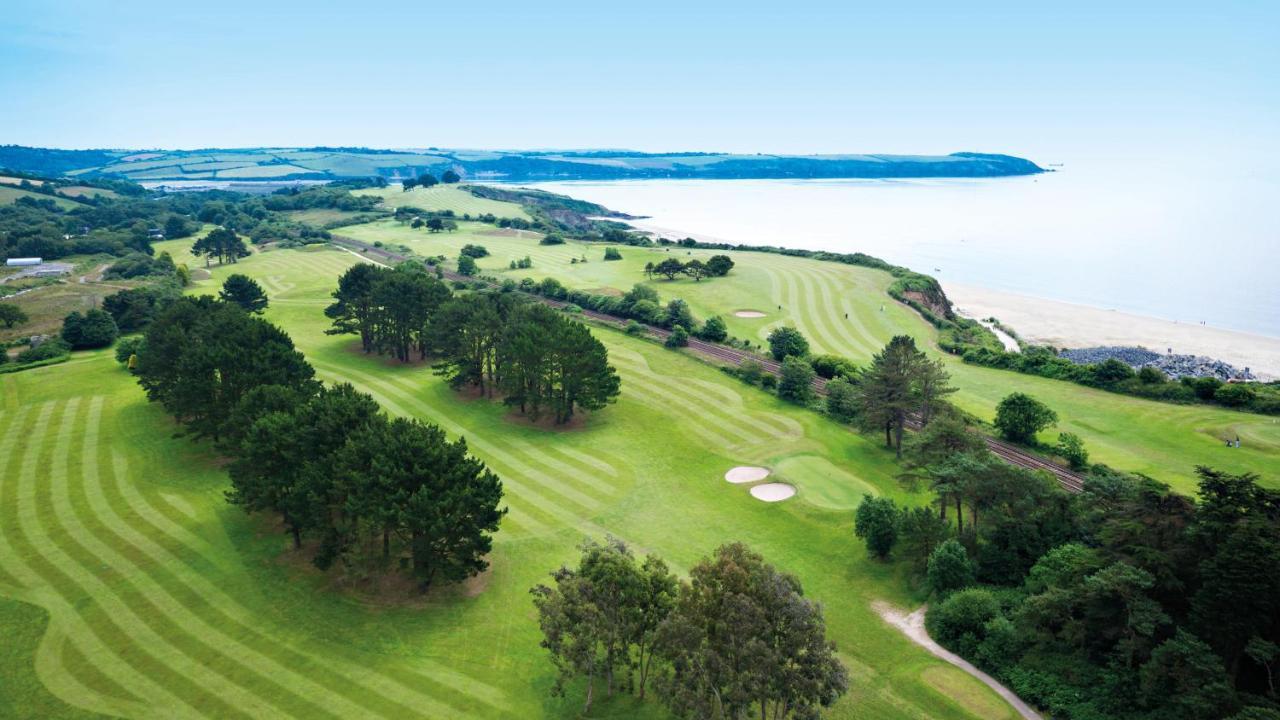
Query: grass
<point x="9" y="195"/>
<point x="844" y="310"/>
<point x="47" y="304"/>
<point x="443" y="197"/>
<point x="164" y="601"/>
<point x="320" y="217"/>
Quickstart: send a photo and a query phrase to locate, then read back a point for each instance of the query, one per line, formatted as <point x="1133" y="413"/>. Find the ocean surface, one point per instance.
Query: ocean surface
<point x="1171" y="242"/>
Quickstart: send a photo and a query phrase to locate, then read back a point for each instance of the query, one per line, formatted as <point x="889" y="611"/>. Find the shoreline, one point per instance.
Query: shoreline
<point x="1072" y="325"/>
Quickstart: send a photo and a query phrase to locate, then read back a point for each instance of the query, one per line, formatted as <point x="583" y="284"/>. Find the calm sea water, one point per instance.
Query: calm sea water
<point x="1171" y="243"/>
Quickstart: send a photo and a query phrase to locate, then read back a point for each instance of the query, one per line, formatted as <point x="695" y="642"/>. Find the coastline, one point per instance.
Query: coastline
<point x="1064" y="324"/>
<point x="1071" y="325"/>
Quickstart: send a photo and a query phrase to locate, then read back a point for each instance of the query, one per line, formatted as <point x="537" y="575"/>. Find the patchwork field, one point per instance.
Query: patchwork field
<point x="163" y="601"/>
<point x="844" y="310"/>
<point x="10" y="194"/>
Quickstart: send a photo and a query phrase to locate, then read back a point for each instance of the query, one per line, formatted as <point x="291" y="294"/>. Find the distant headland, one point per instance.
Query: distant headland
<point x="338" y="163"/>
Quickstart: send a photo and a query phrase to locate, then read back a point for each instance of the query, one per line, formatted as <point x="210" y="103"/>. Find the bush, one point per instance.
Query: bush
<point x="475" y="251"/>
<point x="786" y="341"/>
<point x="1151" y="376"/>
<point x="833" y="366"/>
<point x="876" y="522"/>
<point x="768" y="381"/>
<point x="466" y="265"/>
<point x="127" y="348"/>
<point x="1019" y="417"/>
<point x="678" y="338"/>
<point x="796" y="384"/>
<point x="750" y="371"/>
<point x="1072" y="449"/>
<point x="611" y="253"/>
<point x="714" y="330"/>
<point x="960" y="622"/>
<point x="47" y="350"/>
<point x="1234" y="395"/>
<point x="551" y="239"/>
<point x="949" y="568"/>
<point x="842" y="400"/>
<point x="94" y="329"/>
<point x="634" y="328"/>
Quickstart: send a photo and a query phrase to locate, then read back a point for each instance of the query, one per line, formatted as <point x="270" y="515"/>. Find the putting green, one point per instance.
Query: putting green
<point x="824" y="484"/>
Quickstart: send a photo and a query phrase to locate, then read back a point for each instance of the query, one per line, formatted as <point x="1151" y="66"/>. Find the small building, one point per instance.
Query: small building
<point x="23" y="262"/>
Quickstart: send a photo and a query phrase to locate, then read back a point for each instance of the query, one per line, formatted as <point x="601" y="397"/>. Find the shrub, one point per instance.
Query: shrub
<point x="475" y="251"/>
<point x="842" y="400"/>
<point x="876" y="522"/>
<point x="786" y="341"/>
<point x="1151" y="376"/>
<point x="1234" y="395"/>
<point x="94" y="329"/>
<point x="127" y="348"/>
<point x="796" y="384"/>
<point x="750" y="371"/>
<point x="551" y="239"/>
<point x="611" y="253"/>
<point x="634" y="328"/>
<point x="47" y="350"/>
<point x="768" y="381"/>
<point x="949" y="568"/>
<point x="960" y="621"/>
<point x="678" y="338"/>
<point x="1019" y="417"/>
<point x="714" y="330"/>
<point x="1072" y="449"/>
<point x="466" y="265"/>
<point x="833" y="366"/>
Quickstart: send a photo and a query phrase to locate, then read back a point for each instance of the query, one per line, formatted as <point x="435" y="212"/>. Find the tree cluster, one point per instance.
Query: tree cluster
<point x="737" y="640"/>
<point x="1127" y="601"/>
<point x="901" y="383"/>
<point x="94" y="329"/>
<point x="369" y="490"/>
<point x="221" y="243"/>
<point x="715" y="266"/>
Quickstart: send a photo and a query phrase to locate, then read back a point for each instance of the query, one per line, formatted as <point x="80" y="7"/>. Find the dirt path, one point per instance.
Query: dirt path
<point x="913" y="627"/>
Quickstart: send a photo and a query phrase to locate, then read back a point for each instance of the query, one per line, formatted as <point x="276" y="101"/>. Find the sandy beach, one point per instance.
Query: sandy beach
<point x="1069" y="325"/>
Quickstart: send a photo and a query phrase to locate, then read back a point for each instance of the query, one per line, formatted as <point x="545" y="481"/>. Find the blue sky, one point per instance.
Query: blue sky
<point x="1049" y="83"/>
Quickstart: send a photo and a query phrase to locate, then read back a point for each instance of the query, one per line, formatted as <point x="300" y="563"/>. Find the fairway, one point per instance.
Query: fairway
<point x="844" y="310"/>
<point x="443" y="197"/>
<point x="164" y="601"/>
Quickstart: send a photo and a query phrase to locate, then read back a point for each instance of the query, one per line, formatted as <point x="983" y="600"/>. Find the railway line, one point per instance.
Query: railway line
<point x="1012" y="454"/>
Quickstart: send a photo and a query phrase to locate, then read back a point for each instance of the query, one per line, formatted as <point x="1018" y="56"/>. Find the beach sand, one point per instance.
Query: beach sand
<point x="1069" y="325"/>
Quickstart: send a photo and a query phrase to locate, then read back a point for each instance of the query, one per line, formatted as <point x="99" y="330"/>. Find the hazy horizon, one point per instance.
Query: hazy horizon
<point x="1050" y="85"/>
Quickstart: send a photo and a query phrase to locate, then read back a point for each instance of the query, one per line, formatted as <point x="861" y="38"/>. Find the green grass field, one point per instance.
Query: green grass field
<point x="844" y="310"/>
<point x="161" y="600"/>
<point x="443" y="197"/>
<point x="11" y="194"/>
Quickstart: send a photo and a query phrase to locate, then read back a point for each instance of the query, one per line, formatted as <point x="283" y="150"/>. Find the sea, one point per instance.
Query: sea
<point x="1172" y="241"/>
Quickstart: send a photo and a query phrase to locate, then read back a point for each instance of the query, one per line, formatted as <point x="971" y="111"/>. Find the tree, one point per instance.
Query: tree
<point x="427" y="180"/>
<point x="175" y="227"/>
<point x="669" y="268"/>
<point x="450" y="177"/>
<point x="1235" y="395"/>
<point x="94" y="329"/>
<point x="887" y="393"/>
<point x="466" y="265"/>
<point x="842" y="400"/>
<point x="678" y="314"/>
<point x="612" y="254"/>
<point x="949" y="567"/>
<point x="222" y="243"/>
<point x="12" y="315"/>
<point x="1019" y="417"/>
<point x="353" y="310"/>
<point x="435" y="224"/>
<point x="245" y="292"/>
<point x="743" y="639"/>
<point x="796" y="383"/>
<point x="678" y="338"/>
<point x="1072" y="449"/>
<point x="551" y="239"/>
<point x="475" y="251"/>
<point x="714" y="330"/>
<point x="604" y="615"/>
<point x="920" y="531"/>
<point x="786" y="340"/>
<point x="696" y="270"/>
<point x="1186" y="681"/>
<point x="719" y="265"/>
<point x="960" y="621"/>
<point x="876" y="523"/>
<point x="134" y="308"/>
<point x="930" y="386"/>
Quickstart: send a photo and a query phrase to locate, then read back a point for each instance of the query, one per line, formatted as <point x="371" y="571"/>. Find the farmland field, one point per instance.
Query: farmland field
<point x="844" y="310"/>
<point x="162" y="600"/>
<point x="11" y="194"/>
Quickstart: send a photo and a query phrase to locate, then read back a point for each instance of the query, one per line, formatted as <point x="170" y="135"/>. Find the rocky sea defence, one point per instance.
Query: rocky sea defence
<point x="1175" y="366"/>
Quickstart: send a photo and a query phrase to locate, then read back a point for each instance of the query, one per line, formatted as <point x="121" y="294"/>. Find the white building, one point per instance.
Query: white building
<point x="22" y="262"/>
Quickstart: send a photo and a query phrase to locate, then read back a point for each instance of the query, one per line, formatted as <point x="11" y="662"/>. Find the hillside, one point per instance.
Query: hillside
<point x="324" y="163"/>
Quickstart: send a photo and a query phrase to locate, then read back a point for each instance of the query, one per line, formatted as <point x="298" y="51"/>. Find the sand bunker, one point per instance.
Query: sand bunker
<point x="749" y="314"/>
<point x="773" y="492"/>
<point x="746" y="474"/>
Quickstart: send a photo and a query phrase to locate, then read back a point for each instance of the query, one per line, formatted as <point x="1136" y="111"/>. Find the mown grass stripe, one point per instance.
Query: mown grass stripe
<point x="677" y="395"/>
<point x="273" y="660"/>
<point x="83" y="556"/>
<point x="148" y="678"/>
<point x="76" y="680"/>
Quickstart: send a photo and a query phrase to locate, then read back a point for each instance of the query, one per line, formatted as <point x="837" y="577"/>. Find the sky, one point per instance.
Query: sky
<point x="1049" y="81"/>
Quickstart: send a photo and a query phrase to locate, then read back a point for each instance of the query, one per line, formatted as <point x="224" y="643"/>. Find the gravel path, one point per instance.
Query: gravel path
<point x="913" y="627"/>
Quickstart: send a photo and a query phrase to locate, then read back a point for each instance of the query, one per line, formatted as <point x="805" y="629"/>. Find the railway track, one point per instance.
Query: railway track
<point x="1012" y="454"/>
